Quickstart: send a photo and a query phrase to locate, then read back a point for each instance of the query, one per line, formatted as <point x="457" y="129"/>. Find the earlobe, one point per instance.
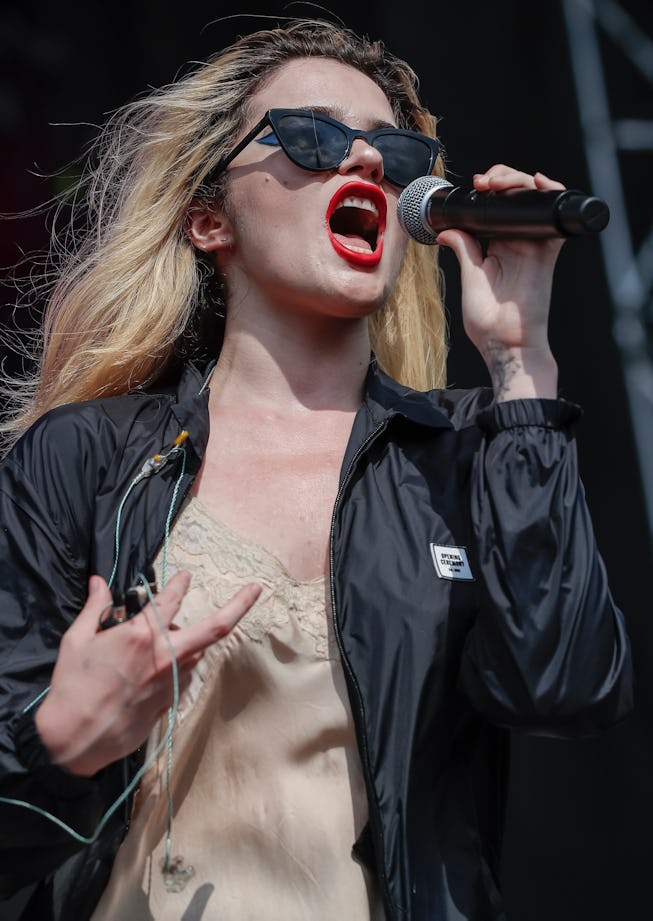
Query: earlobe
<point x="207" y="228"/>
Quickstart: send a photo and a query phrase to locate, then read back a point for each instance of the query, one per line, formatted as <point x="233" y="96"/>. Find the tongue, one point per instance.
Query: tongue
<point x="352" y="241"/>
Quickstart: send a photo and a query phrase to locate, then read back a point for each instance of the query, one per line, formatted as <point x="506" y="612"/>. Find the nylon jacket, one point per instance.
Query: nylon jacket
<point x="469" y="599"/>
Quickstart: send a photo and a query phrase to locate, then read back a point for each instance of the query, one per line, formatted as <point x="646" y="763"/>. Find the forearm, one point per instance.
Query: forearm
<point x="549" y="651"/>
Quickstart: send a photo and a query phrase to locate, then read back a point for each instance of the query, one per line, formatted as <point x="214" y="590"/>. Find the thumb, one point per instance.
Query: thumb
<point x="96" y="585"/>
<point x="99" y="597"/>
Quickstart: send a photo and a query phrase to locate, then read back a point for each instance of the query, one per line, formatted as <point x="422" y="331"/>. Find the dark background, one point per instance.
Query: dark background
<point x="499" y="76"/>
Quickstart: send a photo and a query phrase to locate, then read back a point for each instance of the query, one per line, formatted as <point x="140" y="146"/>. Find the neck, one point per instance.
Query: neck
<point x="315" y="365"/>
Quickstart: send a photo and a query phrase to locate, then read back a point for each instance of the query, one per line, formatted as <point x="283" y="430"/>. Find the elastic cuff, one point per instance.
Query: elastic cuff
<point x="33" y="754"/>
<point x="551" y="414"/>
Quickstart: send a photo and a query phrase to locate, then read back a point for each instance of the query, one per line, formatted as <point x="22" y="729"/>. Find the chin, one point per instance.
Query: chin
<point x="363" y="296"/>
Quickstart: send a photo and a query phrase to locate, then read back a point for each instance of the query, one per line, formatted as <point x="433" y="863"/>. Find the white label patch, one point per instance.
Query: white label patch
<point x="451" y="562"/>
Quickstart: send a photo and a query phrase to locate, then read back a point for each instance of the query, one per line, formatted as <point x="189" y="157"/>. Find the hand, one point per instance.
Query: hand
<point x="110" y="687"/>
<point x="506" y="295"/>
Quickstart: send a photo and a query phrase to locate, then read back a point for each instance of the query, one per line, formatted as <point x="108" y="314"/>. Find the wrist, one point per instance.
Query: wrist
<point x="35" y="758"/>
<point x="61" y="740"/>
<point x="519" y="373"/>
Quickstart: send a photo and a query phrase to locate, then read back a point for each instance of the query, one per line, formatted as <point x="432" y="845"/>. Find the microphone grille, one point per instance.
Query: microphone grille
<point x="412" y="205"/>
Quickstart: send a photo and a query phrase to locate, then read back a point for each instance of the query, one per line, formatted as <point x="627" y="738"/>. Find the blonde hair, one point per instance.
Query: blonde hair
<point x="128" y="291"/>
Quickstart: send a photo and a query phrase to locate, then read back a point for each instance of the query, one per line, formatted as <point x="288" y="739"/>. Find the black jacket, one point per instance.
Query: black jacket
<point x="469" y="598"/>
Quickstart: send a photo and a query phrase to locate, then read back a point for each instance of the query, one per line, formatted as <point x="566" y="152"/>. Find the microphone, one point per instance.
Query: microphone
<point x="431" y="204"/>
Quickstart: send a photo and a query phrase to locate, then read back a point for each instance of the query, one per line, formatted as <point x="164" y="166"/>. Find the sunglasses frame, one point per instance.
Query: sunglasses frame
<point x="272" y="116"/>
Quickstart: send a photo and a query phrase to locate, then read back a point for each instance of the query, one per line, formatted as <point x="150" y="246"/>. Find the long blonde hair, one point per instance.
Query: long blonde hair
<point x="129" y="292"/>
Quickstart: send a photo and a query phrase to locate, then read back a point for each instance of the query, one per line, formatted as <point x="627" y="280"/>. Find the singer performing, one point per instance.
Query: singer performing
<point x="274" y="596"/>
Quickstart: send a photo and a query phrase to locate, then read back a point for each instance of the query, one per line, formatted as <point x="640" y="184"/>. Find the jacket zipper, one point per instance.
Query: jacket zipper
<point x="375" y="819"/>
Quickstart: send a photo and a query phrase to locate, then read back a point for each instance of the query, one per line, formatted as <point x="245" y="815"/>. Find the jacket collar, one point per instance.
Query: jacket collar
<point x="384" y="398"/>
<point x="191" y="406"/>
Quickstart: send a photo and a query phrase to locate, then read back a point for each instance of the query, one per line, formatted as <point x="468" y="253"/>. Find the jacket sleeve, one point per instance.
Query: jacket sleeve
<point x="548" y="652"/>
<point x="43" y="578"/>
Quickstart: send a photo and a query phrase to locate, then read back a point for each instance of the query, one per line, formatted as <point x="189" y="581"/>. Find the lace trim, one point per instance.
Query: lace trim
<point x="221" y="561"/>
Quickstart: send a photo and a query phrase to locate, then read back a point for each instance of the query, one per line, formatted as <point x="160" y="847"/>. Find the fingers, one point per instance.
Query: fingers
<point x="543" y="182"/>
<point x="199" y="636"/>
<point x="188" y="643"/>
<point x="168" y="601"/>
<point x="86" y="622"/>
<point x="501" y="177"/>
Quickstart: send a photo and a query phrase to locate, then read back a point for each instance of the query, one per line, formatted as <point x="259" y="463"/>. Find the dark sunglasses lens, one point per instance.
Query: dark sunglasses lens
<point x="314" y="144"/>
<point x="404" y="158"/>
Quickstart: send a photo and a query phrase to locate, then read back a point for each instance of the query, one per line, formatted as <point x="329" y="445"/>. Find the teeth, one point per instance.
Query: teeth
<point x="364" y="203"/>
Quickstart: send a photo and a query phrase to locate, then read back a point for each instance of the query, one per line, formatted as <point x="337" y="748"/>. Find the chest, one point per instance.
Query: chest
<point x="277" y="488"/>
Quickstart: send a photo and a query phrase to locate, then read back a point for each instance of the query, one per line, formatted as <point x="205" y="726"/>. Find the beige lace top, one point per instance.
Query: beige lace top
<point x="266" y="783"/>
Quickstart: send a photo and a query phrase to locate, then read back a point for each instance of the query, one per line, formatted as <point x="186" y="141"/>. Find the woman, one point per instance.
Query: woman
<point x="396" y="576"/>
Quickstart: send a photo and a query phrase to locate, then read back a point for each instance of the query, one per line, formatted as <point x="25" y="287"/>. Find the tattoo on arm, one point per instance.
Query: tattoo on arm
<point x="502" y="366"/>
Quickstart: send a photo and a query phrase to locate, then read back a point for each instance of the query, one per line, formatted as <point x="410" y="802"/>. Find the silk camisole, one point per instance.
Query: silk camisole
<point x="265" y="782"/>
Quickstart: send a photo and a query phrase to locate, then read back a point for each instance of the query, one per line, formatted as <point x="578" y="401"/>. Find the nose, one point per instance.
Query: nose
<point x="363" y="160"/>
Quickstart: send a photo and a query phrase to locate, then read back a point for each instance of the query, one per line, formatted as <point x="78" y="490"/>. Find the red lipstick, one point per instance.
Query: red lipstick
<point x="356" y="219"/>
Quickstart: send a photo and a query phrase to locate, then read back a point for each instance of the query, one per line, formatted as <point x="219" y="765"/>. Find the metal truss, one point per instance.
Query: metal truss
<point x="611" y="130"/>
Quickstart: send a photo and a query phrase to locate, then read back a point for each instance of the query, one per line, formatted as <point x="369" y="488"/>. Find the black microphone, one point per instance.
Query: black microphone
<point x="431" y="204"/>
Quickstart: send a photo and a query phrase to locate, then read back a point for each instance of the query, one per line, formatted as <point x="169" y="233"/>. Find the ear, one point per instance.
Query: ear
<point x="208" y="228"/>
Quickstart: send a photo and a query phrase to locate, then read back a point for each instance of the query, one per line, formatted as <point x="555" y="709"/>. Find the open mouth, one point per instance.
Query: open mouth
<point x="356" y="222"/>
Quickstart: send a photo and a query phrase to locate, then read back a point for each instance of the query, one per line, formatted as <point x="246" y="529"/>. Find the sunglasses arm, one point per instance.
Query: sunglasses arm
<point x="249" y="137"/>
